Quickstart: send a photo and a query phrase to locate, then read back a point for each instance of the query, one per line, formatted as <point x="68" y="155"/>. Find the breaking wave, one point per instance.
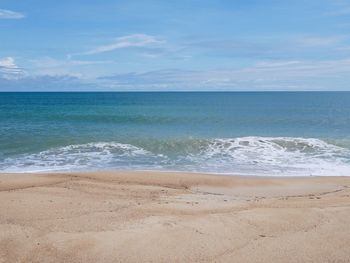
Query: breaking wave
<point x="244" y="155"/>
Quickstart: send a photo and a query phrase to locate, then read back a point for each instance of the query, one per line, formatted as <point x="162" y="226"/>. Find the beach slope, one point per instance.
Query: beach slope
<point x="173" y="217"/>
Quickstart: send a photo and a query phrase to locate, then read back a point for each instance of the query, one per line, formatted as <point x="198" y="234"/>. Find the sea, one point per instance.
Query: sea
<point x="238" y="133"/>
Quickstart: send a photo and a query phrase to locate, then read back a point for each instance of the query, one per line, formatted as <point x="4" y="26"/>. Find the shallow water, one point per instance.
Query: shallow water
<point x="271" y="133"/>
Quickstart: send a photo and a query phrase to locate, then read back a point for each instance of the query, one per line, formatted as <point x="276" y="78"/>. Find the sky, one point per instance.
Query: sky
<point x="174" y="45"/>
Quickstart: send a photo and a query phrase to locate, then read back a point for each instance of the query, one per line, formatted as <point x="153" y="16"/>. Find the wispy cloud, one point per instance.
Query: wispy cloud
<point x="45" y="83"/>
<point x="135" y="40"/>
<point x="8" y="14"/>
<point x="264" y="75"/>
<point x="9" y="69"/>
<point x="319" y="41"/>
<point x="73" y="67"/>
<point x="291" y="46"/>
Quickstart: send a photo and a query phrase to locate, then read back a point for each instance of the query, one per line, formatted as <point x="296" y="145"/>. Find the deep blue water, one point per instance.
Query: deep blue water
<point x="304" y="133"/>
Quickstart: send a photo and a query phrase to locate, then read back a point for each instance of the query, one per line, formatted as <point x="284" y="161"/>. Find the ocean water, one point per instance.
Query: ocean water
<point x="248" y="133"/>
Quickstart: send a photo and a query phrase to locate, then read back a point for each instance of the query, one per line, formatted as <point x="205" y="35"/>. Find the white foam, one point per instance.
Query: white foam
<point x="244" y="155"/>
<point x="75" y="157"/>
<point x="275" y="156"/>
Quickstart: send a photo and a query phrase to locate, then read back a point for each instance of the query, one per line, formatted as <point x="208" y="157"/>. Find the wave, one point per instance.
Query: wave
<point x="276" y="156"/>
<point x="79" y="157"/>
<point x="243" y="155"/>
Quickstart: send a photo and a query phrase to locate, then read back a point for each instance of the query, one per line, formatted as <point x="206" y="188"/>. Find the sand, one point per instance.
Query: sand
<point x="173" y="217"/>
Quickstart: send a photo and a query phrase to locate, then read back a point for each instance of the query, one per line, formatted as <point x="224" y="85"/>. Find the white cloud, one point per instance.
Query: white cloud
<point x="264" y="75"/>
<point x="9" y="69"/>
<point x="303" y="68"/>
<point x="8" y="14"/>
<point x="136" y="40"/>
<point x="79" y="68"/>
<point x="45" y="83"/>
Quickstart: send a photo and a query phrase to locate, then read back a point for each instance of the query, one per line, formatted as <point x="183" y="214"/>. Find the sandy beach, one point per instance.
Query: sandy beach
<point x="173" y="217"/>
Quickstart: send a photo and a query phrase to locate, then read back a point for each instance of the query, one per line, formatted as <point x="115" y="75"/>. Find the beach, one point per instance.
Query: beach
<point x="175" y="131"/>
<point x="173" y="217"/>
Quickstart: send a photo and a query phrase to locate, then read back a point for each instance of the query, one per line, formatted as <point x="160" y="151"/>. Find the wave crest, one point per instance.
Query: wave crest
<point x="275" y="155"/>
<point x="80" y="156"/>
<point x="243" y="155"/>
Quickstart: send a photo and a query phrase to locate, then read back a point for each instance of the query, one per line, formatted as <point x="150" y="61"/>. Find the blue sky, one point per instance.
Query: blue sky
<point x="175" y="45"/>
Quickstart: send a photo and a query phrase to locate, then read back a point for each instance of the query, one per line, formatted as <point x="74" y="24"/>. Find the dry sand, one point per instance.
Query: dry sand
<point x="173" y="217"/>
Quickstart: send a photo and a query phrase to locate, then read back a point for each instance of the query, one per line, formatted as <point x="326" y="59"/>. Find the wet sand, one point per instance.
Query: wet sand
<point x="173" y="217"/>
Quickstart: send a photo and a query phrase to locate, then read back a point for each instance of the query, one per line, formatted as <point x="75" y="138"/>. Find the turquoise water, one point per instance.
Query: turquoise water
<point x="267" y="133"/>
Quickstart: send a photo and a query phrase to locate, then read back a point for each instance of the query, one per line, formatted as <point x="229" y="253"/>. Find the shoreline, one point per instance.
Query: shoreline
<point x="173" y="216"/>
<point x="47" y="172"/>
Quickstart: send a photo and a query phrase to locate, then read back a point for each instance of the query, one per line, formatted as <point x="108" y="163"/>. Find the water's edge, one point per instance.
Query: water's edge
<point x="253" y="156"/>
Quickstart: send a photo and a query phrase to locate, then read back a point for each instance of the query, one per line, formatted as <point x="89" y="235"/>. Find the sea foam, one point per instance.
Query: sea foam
<point x="244" y="155"/>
